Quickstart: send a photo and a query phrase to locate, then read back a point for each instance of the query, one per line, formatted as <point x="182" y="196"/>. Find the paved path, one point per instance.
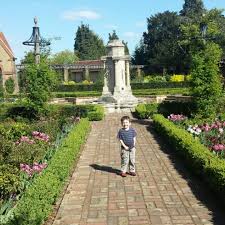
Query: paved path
<point x="163" y="192"/>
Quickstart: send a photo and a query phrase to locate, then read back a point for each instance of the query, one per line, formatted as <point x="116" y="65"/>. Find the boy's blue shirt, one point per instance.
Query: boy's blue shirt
<point x="127" y="136"/>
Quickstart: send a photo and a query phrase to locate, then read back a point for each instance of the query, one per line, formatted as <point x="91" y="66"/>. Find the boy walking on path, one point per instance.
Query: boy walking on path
<point x="127" y="136"/>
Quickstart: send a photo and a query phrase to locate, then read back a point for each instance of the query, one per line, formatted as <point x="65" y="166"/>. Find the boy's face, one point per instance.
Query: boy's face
<point x="126" y="124"/>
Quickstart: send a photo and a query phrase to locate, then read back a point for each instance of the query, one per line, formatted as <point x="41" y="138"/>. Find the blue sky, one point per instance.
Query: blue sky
<point x="60" y="18"/>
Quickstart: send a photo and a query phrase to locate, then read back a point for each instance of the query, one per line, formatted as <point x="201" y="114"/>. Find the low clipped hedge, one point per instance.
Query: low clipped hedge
<point x="96" y="114"/>
<point x="199" y="159"/>
<point x="98" y="87"/>
<point x="161" y="91"/>
<point x="79" y="87"/>
<point x="160" y="84"/>
<point x="145" y="111"/>
<point x="77" y="94"/>
<point x="36" y="203"/>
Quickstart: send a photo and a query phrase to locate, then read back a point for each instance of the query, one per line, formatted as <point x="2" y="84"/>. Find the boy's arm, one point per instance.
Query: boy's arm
<point x="122" y="143"/>
<point x="134" y="141"/>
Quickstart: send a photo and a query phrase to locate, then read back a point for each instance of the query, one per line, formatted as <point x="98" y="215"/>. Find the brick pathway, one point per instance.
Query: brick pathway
<point x="163" y="192"/>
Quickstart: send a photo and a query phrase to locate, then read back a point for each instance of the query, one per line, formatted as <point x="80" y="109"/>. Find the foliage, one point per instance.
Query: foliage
<point x="10" y="85"/>
<point x="87" y="82"/>
<point x="71" y="82"/>
<point x="96" y="114"/>
<point x="151" y="78"/>
<point x="175" y="107"/>
<point x="70" y="95"/>
<point x="153" y="92"/>
<point x="159" y="84"/>
<point x="64" y="57"/>
<point x="88" y="45"/>
<point x="146" y="111"/>
<point x="79" y="87"/>
<point x="160" y="42"/>
<point x="177" y="78"/>
<point x="139" y="55"/>
<point x="9" y="181"/>
<point x="193" y="9"/>
<point x="39" y="81"/>
<point x="206" y="87"/>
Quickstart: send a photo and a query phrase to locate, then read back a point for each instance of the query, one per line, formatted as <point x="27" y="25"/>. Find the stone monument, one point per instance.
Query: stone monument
<point x="117" y="90"/>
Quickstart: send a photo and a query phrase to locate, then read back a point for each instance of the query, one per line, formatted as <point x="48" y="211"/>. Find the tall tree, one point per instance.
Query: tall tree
<point x="88" y="45"/>
<point x="162" y="50"/>
<point x="64" y="57"/>
<point x="193" y="9"/>
<point x="138" y="57"/>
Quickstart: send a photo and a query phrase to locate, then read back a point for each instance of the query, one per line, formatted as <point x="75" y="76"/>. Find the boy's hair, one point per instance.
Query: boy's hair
<point x="125" y="118"/>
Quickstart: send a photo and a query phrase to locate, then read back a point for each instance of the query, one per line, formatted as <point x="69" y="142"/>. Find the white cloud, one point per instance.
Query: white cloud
<point x="140" y="24"/>
<point x="111" y="26"/>
<point x="79" y="15"/>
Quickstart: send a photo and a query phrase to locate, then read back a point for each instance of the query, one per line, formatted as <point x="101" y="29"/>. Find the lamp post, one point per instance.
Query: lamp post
<point x="37" y="41"/>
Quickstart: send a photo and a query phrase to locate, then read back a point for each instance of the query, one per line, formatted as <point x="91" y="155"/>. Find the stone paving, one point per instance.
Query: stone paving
<point x="163" y="192"/>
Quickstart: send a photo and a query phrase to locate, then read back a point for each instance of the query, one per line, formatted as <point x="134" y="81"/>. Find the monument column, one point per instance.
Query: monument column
<point x="128" y="74"/>
<point x="117" y="78"/>
<point x="106" y="74"/>
<point x="66" y="74"/>
<point x="86" y="73"/>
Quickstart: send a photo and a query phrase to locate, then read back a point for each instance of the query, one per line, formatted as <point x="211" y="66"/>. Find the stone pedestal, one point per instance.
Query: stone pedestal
<point x="117" y="90"/>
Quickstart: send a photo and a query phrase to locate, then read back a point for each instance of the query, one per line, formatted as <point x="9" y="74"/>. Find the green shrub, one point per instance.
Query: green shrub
<point x="79" y="87"/>
<point x="177" y="78"/>
<point x="10" y="85"/>
<point x="160" y="84"/>
<point x="9" y="181"/>
<point x="140" y="111"/>
<point x="206" y="85"/>
<point x="145" y="111"/>
<point x="96" y="114"/>
<point x="167" y="108"/>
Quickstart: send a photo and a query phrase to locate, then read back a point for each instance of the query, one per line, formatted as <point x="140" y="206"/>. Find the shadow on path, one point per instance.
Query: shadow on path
<point x="199" y="188"/>
<point x="108" y="169"/>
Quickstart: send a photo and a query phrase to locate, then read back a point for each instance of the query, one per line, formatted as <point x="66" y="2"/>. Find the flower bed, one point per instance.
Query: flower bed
<point x="27" y="147"/>
<point x="37" y="202"/>
<point x="198" y="157"/>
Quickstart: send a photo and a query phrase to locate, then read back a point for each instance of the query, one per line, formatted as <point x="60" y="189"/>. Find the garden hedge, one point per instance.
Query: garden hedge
<point x="98" y="87"/>
<point x="199" y="159"/>
<point x="37" y="202"/>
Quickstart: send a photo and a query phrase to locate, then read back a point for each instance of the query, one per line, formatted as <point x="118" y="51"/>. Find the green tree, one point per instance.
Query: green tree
<point x="139" y="57"/>
<point x="206" y="86"/>
<point x="64" y="57"/>
<point x="160" y="40"/>
<point x="39" y="81"/>
<point x="193" y="9"/>
<point x="88" y="45"/>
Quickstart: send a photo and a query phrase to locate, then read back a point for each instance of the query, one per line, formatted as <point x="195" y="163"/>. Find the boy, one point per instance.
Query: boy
<point x="127" y="136"/>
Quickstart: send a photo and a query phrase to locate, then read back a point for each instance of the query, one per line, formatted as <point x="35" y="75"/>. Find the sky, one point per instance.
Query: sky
<point x="59" y="19"/>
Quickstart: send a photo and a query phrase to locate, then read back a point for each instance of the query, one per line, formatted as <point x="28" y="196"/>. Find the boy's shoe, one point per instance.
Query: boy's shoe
<point x="123" y="174"/>
<point x="132" y="173"/>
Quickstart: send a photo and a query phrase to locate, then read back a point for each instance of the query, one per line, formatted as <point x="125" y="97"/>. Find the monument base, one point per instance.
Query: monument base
<point x="119" y="102"/>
